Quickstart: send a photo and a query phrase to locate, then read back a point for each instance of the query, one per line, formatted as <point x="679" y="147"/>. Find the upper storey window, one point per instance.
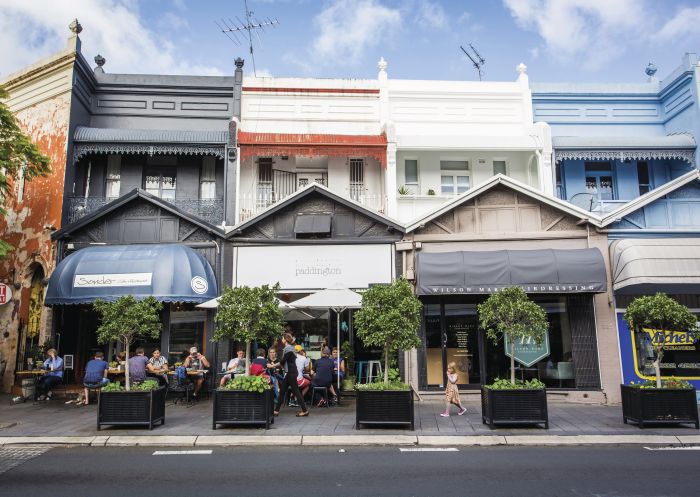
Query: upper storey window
<point x="454" y="177"/>
<point x="600" y="180"/>
<point x="161" y="182"/>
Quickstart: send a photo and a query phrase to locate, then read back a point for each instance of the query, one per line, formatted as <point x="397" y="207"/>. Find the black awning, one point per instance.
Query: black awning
<point x="168" y="272"/>
<point x="535" y="271"/>
<point x="312" y="223"/>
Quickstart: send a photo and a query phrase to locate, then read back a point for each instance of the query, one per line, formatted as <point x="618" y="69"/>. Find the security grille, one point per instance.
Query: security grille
<point x="357" y="179"/>
<point x="265" y="195"/>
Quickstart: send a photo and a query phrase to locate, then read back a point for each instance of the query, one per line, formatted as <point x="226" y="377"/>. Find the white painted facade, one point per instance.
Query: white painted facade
<point x="465" y="130"/>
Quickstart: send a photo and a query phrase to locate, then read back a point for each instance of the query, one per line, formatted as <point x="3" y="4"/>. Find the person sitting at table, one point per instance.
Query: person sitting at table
<point x="303" y="370"/>
<point x="274" y="371"/>
<point x="54" y="367"/>
<point x="259" y="365"/>
<point x="158" y="367"/>
<point x="197" y="362"/>
<point x="95" y="375"/>
<point x="235" y="366"/>
<point x="121" y="359"/>
<point x="324" y="374"/>
<point x="137" y="366"/>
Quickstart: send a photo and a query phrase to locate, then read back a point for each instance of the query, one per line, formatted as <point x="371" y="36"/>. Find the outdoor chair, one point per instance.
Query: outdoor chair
<point x="323" y="393"/>
<point x="183" y="387"/>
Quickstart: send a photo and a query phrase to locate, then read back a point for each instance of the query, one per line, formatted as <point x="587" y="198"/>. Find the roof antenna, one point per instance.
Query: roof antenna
<point x="477" y="60"/>
<point x="239" y="28"/>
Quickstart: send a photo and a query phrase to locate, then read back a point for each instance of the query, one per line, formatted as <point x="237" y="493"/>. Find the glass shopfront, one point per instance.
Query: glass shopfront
<point x="452" y="334"/>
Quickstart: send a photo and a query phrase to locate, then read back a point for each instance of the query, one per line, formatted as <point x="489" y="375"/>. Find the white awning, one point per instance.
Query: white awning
<point x="677" y="146"/>
<point x="647" y="266"/>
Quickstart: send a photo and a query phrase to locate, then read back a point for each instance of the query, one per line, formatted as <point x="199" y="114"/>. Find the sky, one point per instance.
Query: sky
<point x="559" y="40"/>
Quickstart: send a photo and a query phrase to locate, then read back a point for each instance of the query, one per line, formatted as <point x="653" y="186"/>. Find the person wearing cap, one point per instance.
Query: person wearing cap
<point x="197" y="362"/>
<point x="303" y="370"/>
<point x="324" y="374"/>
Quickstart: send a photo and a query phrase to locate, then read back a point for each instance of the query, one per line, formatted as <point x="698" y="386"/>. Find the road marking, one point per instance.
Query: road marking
<point x="695" y="447"/>
<point x="182" y="452"/>
<point x="429" y="449"/>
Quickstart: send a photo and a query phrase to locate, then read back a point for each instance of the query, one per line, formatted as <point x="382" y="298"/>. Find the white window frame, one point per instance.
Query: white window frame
<point x="456" y="174"/>
<point x="413" y="187"/>
<point x="499" y="159"/>
<point x="115" y="161"/>
<point x="207" y="178"/>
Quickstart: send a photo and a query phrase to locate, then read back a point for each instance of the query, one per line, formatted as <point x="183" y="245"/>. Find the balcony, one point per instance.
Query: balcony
<point x="209" y="210"/>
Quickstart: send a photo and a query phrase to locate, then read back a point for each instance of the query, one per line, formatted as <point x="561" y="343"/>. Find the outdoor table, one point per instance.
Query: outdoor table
<point x="32" y="374"/>
<point x="192" y="372"/>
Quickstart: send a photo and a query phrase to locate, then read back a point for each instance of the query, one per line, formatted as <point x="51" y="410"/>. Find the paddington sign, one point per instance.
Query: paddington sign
<point x="111" y="280"/>
<point x="314" y="267"/>
<point x="5" y="293"/>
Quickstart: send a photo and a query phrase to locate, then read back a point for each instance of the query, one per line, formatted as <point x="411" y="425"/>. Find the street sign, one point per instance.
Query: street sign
<point x="5" y="293"/>
<point x="527" y="351"/>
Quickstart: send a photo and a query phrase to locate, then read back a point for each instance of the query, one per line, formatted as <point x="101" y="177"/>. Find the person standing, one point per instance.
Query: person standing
<point x="288" y="362"/>
<point x="452" y="392"/>
<point x="54" y="375"/>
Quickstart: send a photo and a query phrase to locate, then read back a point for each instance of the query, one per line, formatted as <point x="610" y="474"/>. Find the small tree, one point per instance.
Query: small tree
<point x="389" y="318"/>
<point x="248" y="313"/>
<point x="663" y="315"/>
<point x="127" y="319"/>
<point x="511" y="313"/>
<point x="17" y="153"/>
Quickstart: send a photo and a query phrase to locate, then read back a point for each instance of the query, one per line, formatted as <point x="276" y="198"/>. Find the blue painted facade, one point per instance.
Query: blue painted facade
<point x="646" y="112"/>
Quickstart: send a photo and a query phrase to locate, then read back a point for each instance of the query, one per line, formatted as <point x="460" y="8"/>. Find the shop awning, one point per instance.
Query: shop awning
<point x="670" y="265"/>
<point x="148" y="141"/>
<point x="676" y="146"/>
<point x="535" y="271"/>
<point x="168" y="272"/>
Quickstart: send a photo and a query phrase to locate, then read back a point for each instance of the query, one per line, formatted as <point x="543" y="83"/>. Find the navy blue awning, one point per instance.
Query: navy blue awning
<point x="168" y="272"/>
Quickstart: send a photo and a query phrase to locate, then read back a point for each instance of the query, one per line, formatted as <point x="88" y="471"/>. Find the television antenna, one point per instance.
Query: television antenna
<point x="237" y="31"/>
<point x="477" y="60"/>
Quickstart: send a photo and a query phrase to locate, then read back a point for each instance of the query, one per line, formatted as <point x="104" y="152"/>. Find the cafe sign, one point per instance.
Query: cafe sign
<point x="111" y="280"/>
<point x="527" y="350"/>
<point x="5" y="293"/>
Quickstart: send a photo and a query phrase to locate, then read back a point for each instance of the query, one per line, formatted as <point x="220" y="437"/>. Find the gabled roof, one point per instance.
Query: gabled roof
<point x="519" y="187"/>
<point x="649" y="197"/>
<point x="305" y="192"/>
<point x="134" y="194"/>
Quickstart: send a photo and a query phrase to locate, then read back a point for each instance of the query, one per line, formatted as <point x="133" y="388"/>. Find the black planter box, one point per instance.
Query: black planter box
<point x="659" y="405"/>
<point x="384" y="407"/>
<point x="131" y="408"/>
<point x="514" y="407"/>
<point x="236" y="407"/>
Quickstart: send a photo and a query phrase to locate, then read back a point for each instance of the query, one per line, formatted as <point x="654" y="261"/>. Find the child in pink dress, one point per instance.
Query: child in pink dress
<point x="452" y="392"/>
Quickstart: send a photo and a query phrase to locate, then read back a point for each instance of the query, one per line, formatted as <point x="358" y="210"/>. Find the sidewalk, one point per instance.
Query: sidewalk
<point x="189" y="425"/>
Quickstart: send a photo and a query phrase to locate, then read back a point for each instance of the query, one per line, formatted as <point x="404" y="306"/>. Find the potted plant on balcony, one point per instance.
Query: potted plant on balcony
<point x="389" y="318"/>
<point x="246" y="314"/>
<point x="659" y="318"/>
<point x="126" y="319"/>
<point x="511" y="315"/>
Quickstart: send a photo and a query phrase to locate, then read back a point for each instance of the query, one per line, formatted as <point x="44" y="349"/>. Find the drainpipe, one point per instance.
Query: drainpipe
<point x="231" y="166"/>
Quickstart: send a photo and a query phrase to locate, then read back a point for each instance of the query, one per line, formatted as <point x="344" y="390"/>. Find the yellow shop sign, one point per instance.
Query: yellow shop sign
<point x="672" y="339"/>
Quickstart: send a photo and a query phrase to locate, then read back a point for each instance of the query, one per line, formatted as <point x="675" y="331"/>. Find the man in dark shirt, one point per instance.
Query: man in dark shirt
<point x="137" y="366"/>
<point x="95" y="374"/>
<point x="324" y="373"/>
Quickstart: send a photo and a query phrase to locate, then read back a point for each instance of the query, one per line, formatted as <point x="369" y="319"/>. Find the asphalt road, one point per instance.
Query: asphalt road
<point x="376" y="472"/>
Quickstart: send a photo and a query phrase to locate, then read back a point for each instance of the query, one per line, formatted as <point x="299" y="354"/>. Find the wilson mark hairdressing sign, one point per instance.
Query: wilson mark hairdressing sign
<point x="488" y="289"/>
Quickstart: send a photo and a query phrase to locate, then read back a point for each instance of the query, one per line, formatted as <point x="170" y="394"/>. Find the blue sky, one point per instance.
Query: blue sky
<point x="559" y="40"/>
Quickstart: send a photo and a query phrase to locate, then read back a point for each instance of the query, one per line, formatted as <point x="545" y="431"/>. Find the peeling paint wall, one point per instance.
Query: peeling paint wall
<point x="40" y="98"/>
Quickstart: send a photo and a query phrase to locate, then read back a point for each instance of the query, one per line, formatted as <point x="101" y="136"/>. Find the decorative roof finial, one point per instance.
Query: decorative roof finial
<point x="75" y="27"/>
<point x="650" y="70"/>
<point x="239" y="63"/>
<point x="521" y="68"/>
<point x="382" y="64"/>
<point x="100" y="61"/>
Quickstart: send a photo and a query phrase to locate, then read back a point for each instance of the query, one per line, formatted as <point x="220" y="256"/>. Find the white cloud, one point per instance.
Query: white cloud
<point x="113" y="28"/>
<point x="431" y="15"/>
<point x="595" y="31"/>
<point x="684" y="23"/>
<point x="348" y="28"/>
<point x="464" y="17"/>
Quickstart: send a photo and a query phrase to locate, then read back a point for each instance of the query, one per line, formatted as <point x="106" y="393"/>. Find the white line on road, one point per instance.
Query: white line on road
<point x="182" y="452"/>
<point x="429" y="449"/>
<point x="673" y="448"/>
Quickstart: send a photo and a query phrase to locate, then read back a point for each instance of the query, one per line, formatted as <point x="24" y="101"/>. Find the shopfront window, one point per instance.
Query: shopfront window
<point x="186" y="330"/>
<point x="681" y="356"/>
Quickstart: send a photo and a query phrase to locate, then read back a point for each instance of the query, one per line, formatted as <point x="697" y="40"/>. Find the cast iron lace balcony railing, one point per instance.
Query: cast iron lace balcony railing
<point x="209" y="210"/>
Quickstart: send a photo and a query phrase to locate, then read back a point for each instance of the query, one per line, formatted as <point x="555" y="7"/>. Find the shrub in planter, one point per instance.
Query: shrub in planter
<point x="143" y="405"/>
<point x="510" y="313"/>
<point x="675" y="402"/>
<point x="242" y="401"/>
<point x="389" y="318"/>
